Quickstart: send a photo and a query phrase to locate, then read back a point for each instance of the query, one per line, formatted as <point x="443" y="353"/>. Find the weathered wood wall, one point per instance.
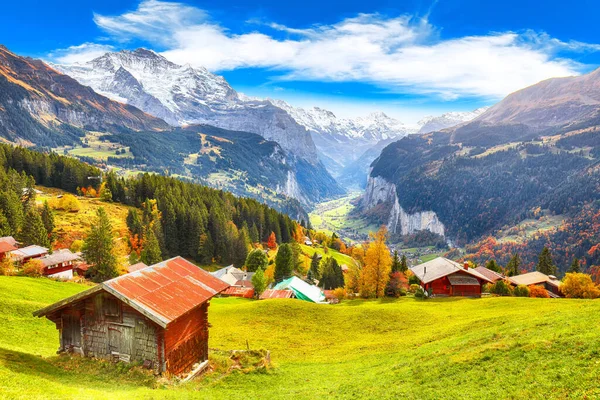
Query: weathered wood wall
<point x="186" y="340"/>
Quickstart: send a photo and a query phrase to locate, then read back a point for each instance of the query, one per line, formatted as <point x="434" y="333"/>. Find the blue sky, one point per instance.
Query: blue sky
<point x="407" y="58"/>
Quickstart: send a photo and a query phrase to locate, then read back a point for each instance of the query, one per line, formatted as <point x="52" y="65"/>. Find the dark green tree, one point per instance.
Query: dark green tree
<point x="314" y="273"/>
<point x="134" y="223"/>
<point x="33" y="231"/>
<point x="575" y="267"/>
<point x="492" y="265"/>
<point x="256" y="260"/>
<point x="403" y="264"/>
<point x="513" y="266"/>
<point x="284" y="263"/>
<point x="11" y="205"/>
<point x="151" y="253"/>
<point x="396" y="262"/>
<point x="48" y="219"/>
<point x="332" y="276"/>
<point x="98" y="248"/>
<point x="545" y="264"/>
<point x="4" y="225"/>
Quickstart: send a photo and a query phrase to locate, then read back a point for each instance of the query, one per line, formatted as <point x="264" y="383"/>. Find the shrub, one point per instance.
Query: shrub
<point x="77" y="245"/>
<point x="339" y="293"/>
<point x="501" y="288"/>
<point x="538" y="291"/>
<point x="420" y="293"/>
<point x="396" y="284"/>
<point x="413" y="280"/>
<point x="67" y="203"/>
<point x="33" y="268"/>
<point x="521" y="291"/>
<point x="7" y="267"/>
<point x="579" y="286"/>
<point x="413" y="288"/>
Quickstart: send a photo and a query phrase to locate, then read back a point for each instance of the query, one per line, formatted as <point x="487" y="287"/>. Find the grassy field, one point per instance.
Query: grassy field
<point x="96" y="148"/>
<point x="494" y="348"/>
<point x="339" y="257"/>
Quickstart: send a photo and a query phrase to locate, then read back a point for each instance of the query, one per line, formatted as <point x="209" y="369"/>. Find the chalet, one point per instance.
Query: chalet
<point x="493" y="276"/>
<point x="302" y="290"/>
<point x="7" y="244"/>
<point x="25" y="254"/>
<point x="443" y="277"/>
<point x="239" y="291"/>
<point x="60" y="264"/>
<point x="234" y="276"/>
<point x="548" y="282"/>
<point x="156" y="316"/>
<point x="277" y="294"/>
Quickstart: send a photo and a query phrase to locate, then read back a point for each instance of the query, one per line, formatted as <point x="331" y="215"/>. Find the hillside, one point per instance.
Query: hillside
<point x="441" y="349"/>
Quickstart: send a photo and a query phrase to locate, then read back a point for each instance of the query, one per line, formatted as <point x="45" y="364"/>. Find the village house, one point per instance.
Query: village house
<point x="60" y="264"/>
<point x="548" y="282"/>
<point x="240" y="281"/>
<point x="493" y="276"/>
<point x="444" y="277"/>
<point x="7" y="244"/>
<point x="302" y="290"/>
<point x="276" y="294"/>
<point x="157" y="316"/>
<point x="25" y="254"/>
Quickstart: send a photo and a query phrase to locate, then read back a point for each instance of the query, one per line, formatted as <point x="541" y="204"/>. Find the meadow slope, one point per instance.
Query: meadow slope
<point x="492" y="348"/>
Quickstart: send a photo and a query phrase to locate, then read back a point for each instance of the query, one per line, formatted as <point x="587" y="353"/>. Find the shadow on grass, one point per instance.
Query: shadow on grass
<point x="80" y="372"/>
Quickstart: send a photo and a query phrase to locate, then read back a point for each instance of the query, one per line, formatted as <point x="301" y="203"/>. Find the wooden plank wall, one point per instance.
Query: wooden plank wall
<point x="186" y="340"/>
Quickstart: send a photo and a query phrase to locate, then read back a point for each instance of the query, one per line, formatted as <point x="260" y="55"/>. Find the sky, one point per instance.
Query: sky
<point x="407" y="58"/>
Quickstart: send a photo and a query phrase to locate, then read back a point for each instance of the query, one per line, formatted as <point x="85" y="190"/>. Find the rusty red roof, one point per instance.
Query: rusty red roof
<point x="276" y="294"/>
<point x="246" y="292"/>
<point x="136" y="267"/>
<point x="6" y="247"/>
<point x="162" y="292"/>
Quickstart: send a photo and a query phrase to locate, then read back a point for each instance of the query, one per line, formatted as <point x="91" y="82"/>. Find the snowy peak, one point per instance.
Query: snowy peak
<point x="449" y="119"/>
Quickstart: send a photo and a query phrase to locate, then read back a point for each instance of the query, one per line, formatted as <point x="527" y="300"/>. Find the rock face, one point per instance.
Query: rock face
<point x="380" y="191"/>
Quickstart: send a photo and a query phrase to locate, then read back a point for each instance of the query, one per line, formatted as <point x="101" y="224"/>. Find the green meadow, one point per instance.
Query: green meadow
<point x="492" y="348"/>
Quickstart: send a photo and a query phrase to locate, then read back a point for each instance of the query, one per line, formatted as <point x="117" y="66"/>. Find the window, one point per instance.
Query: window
<point x="111" y="307"/>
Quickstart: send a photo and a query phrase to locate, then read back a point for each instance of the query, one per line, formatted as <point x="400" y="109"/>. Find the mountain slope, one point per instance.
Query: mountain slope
<point x="448" y="120"/>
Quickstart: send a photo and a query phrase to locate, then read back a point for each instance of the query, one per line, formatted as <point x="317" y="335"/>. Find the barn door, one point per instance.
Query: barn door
<point x="120" y="341"/>
<point x="71" y="331"/>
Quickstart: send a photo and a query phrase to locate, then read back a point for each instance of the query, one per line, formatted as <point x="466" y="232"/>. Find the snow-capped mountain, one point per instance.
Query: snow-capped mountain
<point x="448" y="120"/>
<point x="182" y="94"/>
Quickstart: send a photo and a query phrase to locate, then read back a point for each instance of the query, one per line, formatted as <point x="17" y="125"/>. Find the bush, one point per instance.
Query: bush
<point x="538" y="291"/>
<point x="339" y="293"/>
<point x="7" y="267"/>
<point x="77" y="245"/>
<point x="579" y="286"/>
<point x="501" y="288"/>
<point x="521" y="291"/>
<point x="420" y="293"/>
<point x="68" y="202"/>
<point x="413" y="280"/>
<point x="33" y="268"/>
<point x="413" y="288"/>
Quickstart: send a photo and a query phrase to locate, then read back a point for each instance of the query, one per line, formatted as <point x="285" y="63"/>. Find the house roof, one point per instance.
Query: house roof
<point x="301" y="289"/>
<point x="534" y="278"/>
<point x="162" y="292"/>
<point x="276" y="294"/>
<point x="29" y="251"/>
<point x="463" y="280"/>
<point x="5" y="247"/>
<point x="233" y="275"/>
<point x="440" y="267"/>
<point x="9" y="239"/>
<point x="58" y="257"/>
<point x="247" y="292"/>
<point x="488" y="273"/>
<point x="136" y="267"/>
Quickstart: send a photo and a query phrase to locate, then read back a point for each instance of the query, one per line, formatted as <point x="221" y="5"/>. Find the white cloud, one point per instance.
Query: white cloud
<point x="79" y="54"/>
<point x="399" y="54"/>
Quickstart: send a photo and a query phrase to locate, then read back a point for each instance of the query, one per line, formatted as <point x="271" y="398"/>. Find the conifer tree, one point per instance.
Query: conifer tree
<point x="284" y="263"/>
<point x="332" y="276"/>
<point x="403" y="264"/>
<point x="396" y="262"/>
<point x="575" y="267"/>
<point x="256" y="260"/>
<point x="48" y="219"/>
<point x="98" y="248"/>
<point x="513" y="266"/>
<point x="206" y="248"/>
<point x="4" y="225"/>
<point x="151" y="253"/>
<point x="11" y="205"/>
<point x="545" y="264"/>
<point x="272" y="242"/>
<point x="493" y="266"/>
<point x="314" y="273"/>
<point x="34" y="231"/>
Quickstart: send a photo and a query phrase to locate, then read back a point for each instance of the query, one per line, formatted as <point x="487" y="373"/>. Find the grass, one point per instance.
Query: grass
<point x="529" y="228"/>
<point x="339" y="257"/>
<point x="97" y="149"/>
<point x="507" y="348"/>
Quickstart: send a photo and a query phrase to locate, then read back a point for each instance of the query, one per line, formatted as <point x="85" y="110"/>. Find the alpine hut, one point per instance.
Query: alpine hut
<point x="156" y="316"/>
<point x="443" y="277"/>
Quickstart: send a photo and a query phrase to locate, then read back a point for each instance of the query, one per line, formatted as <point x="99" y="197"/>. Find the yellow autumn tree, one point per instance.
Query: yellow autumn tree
<point x="377" y="266"/>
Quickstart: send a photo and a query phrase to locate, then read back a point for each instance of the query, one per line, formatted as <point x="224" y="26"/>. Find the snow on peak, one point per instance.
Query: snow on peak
<point x="449" y="119"/>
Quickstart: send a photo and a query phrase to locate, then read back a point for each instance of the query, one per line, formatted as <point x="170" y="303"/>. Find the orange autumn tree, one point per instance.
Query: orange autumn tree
<point x="272" y="242"/>
<point x="377" y="266"/>
<point x="298" y="233"/>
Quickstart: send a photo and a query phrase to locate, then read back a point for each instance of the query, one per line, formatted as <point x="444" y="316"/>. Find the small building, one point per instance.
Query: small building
<point x="235" y="276"/>
<point x="157" y="316"/>
<point x="302" y="290"/>
<point x="6" y="246"/>
<point x="9" y="239"/>
<point x="238" y="291"/>
<point x="493" y="276"/>
<point x="444" y="277"/>
<point x="277" y="294"/>
<point x="548" y="282"/>
<point x="60" y="264"/>
<point x="25" y="254"/>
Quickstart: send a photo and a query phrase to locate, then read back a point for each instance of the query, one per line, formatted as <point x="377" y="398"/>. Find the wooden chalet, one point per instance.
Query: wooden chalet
<point x="548" y="282"/>
<point x="7" y="244"/>
<point x="60" y="264"/>
<point x="444" y="277"/>
<point x="491" y="275"/>
<point x="25" y="254"/>
<point x="157" y="316"/>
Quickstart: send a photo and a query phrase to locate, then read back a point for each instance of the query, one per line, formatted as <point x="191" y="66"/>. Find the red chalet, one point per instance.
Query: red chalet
<point x="443" y="277"/>
<point x="157" y="316"/>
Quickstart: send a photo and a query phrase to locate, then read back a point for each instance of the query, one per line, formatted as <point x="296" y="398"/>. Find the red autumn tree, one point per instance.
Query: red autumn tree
<point x="272" y="242"/>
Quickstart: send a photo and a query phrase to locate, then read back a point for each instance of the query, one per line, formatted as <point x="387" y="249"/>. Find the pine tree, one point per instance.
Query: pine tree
<point x="11" y="205"/>
<point x="396" y="262"/>
<point x="272" y="242"/>
<point x="284" y="263"/>
<point x="545" y="264"/>
<point x="332" y="276"/>
<point x="134" y="223"/>
<point x="98" y="248"/>
<point x="256" y="260"/>
<point x="493" y="266"/>
<point x="314" y="273"/>
<point x="254" y="234"/>
<point x="575" y="267"/>
<point x="259" y="281"/>
<point x="512" y="268"/>
<point x="206" y="248"/>
<point x="34" y="231"/>
<point x="151" y="253"/>
<point x="4" y="225"/>
<point x="403" y="264"/>
<point x="48" y="219"/>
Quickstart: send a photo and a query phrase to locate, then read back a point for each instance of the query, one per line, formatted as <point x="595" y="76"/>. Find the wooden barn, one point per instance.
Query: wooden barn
<point x="443" y="277"/>
<point x="157" y="316"/>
